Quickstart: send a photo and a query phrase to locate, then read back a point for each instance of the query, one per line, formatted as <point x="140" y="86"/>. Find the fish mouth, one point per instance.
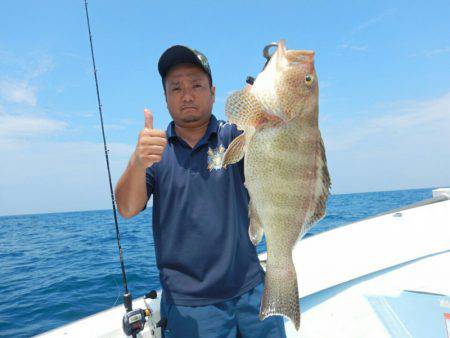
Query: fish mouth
<point x="299" y="55"/>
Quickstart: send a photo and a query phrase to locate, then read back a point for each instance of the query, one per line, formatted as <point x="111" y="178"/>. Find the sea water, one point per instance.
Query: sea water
<point x="60" y="267"/>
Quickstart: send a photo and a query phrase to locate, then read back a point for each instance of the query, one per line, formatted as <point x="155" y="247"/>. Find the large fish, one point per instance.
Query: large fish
<point x="285" y="167"/>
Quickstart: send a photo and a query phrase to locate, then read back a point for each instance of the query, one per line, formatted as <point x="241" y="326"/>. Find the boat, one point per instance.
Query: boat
<point x="384" y="276"/>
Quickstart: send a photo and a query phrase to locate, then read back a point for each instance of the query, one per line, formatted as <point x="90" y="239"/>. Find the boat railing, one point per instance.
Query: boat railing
<point x="438" y="197"/>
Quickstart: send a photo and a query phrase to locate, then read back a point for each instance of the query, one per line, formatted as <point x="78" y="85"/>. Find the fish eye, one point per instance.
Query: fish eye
<point x="308" y="79"/>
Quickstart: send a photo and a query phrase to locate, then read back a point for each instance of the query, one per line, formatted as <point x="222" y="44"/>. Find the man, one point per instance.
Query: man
<point x="209" y="271"/>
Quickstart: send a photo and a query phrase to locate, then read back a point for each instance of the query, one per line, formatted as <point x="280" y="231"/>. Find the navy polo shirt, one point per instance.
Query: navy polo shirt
<point x="200" y="221"/>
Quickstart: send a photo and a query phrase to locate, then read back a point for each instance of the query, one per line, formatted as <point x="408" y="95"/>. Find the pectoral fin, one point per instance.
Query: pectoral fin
<point x="243" y="109"/>
<point x="255" y="230"/>
<point x="235" y="151"/>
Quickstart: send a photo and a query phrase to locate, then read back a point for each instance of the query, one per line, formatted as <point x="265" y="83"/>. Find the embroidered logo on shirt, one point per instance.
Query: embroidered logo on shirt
<point x="215" y="158"/>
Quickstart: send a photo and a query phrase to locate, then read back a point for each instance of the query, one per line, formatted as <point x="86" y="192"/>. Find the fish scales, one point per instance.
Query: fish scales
<point x="285" y="167"/>
<point x="259" y="169"/>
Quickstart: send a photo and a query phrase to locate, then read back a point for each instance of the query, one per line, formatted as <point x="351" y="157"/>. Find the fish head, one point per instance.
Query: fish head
<point x="288" y="85"/>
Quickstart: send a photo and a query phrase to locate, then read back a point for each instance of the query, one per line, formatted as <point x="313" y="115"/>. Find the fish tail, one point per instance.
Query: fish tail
<point x="281" y="292"/>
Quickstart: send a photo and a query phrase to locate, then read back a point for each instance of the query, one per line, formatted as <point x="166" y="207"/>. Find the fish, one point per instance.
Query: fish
<point x="285" y="167"/>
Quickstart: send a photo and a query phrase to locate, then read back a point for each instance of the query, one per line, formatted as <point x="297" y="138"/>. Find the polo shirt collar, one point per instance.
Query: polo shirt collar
<point x="213" y="127"/>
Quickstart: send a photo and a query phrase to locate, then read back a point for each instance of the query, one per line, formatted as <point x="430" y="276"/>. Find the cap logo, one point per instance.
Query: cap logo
<point x="203" y="61"/>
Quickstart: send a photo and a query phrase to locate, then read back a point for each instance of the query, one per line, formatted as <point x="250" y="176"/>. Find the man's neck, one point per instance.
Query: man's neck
<point x="191" y="135"/>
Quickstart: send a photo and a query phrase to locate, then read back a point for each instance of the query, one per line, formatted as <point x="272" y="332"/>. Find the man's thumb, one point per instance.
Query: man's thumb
<point x="148" y="118"/>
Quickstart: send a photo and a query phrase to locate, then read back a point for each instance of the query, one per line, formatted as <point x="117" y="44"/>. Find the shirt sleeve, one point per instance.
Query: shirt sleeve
<point x="235" y="132"/>
<point x="150" y="180"/>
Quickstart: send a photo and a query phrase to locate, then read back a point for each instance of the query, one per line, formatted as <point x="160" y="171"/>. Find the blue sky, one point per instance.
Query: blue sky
<point x="383" y="68"/>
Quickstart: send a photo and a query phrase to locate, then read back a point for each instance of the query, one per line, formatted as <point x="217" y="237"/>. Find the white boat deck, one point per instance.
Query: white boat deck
<point x="404" y="301"/>
<point x="388" y="276"/>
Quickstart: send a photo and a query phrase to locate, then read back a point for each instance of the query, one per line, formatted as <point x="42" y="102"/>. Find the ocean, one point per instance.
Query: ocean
<point x="60" y="267"/>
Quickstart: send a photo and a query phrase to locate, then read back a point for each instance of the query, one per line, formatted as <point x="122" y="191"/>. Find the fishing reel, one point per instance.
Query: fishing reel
<point x="133" y="321"/>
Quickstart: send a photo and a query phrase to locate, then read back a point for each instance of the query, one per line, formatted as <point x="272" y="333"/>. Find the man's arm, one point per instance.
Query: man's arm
<point x="131" y="189"/>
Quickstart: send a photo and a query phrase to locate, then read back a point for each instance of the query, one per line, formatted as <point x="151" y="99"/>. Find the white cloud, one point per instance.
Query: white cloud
<point x="21" y="118"/>
<point x="38" y="172"/>
<point x="401" y="145"/>
<point x="432" y="52"/>
<point x="18" y="81"/>
<point x="354" y="47"/>
<point x="348" y="41"/>
<point x="374" y="20"/>
<point x="436" y="51"/>
<point x="112" y="126"/>
<point x="41" y="65"/>
<point x="26" y="66"/>
<point x="396" y="117"/>
<point x="16" y="91"/>
<point x="16" y="127"/>
<point x="46" y="176"/>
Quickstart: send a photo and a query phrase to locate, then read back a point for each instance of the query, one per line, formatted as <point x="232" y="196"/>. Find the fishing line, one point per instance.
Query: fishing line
<point x="117" y="289"/>
<point x="127" y="295"/>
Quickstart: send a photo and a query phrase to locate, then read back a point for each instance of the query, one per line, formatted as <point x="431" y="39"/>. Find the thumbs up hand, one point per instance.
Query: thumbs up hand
<point x="151" y="143"/>
<point x="148" y="116"/>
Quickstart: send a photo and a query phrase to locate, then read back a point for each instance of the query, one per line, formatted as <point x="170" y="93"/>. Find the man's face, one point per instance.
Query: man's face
<point x="189" y="96"/>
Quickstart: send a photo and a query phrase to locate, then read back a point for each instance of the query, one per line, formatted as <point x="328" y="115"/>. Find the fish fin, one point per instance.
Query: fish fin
<point x="235" y="151"/>
<point x="243" y="109"/>
<point x="280" y="295"/>
<point x="322" y="188"/>
<point x="255" y="230"/>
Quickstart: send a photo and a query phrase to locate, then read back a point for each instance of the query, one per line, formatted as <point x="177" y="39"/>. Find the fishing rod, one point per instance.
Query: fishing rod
<point x="134" y="320"/>
<point x="127" y="295"/>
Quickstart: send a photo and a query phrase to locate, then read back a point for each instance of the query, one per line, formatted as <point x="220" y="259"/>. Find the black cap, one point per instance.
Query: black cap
<point x="181" y="54"/>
